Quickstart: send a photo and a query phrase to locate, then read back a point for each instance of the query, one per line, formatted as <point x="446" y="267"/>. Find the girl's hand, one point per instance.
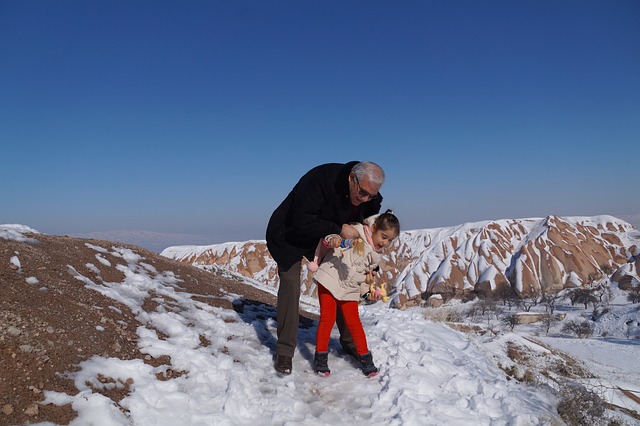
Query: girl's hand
<point x="373" y="296"/>
<point x="334" y="242"/>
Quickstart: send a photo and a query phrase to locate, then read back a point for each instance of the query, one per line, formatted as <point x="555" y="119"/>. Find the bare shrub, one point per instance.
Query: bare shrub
<point x="528" y="303"/>
<point x="488" y="306"/>
<point x="634" y="295"/>
<point x="580" y="407"/>
<point x="484" y="308"/>
<point x="584" y="296"/>
<point x="582" y="329"/>
<point x="507" y="295"/>
<point x="443" y="315"/>
<point x="550" y="301"/>
<point x="548" y="320"/>
<point x="603" y="292"/>
<point x="510" y="321"/>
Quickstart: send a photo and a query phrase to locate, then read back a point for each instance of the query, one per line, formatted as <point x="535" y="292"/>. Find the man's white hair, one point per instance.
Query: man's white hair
<point x="371" y="171"/>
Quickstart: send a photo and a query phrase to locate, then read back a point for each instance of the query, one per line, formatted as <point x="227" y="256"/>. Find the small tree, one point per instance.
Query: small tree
<point x="527" y="304"/>
<point x="548" y="320"/>
<point x="584" y="296"/>
<point x="487" y="305"/>
<point x="510" y="321"/>
<point x="549" y="301"/>
<point x="507" y="295"/>
<point x="473" y="312"/>
<point x="484" y="307"/>
<point x="603" y="292"/>
<point x="582" y="329"/>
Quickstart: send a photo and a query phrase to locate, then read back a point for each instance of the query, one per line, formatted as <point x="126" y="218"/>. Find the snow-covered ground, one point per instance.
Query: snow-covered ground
<point x="612" y="354"/>
<point x="430" y="374"/>
<point x="221" y="367"/>
<point x="610" y="357"/>
<point x="614" y="362"/>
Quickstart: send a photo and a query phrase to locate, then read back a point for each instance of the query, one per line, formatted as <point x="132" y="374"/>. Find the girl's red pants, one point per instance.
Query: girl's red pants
<point x="329" y="306"/>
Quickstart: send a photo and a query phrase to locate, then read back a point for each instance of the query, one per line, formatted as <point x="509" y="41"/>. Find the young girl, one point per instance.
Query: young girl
<point x="342" y="281"/>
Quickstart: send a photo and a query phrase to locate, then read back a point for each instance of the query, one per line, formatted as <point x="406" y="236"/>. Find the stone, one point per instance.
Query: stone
<point x="435" y="301"/>
<point x="32" y="410"/>
<point x="14" y="331"/>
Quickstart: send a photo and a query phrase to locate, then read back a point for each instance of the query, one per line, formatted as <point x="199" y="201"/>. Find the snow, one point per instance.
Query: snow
<point x="15" y="261"/>
<point x="16" y="233"/>
<point x="102" y="260"/>
<point x="429" y="374"/>
<point x="428" y="371"/>
<point x="609" y="359"/>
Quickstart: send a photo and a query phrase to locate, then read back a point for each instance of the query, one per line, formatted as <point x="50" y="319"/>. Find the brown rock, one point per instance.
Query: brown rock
<point x="32" y="410"/>
<point x="435" y="301"/>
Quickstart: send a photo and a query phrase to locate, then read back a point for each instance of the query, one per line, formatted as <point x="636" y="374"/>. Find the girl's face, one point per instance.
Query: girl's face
<point x="382" y="238"/>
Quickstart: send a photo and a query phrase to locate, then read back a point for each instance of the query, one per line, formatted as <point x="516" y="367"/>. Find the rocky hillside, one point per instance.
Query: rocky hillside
<point x="64" y="300"/>
<point x="530" y="255"/>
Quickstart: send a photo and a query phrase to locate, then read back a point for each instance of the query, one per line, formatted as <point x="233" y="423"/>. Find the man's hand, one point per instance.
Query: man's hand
<point x="349" y="231"/>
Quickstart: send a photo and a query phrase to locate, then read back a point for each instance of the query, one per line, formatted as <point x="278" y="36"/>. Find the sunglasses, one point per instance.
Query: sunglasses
<point x="361" y="192"/>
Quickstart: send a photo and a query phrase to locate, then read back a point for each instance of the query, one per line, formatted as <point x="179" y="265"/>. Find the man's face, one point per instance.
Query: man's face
<point x="361" y="190"/>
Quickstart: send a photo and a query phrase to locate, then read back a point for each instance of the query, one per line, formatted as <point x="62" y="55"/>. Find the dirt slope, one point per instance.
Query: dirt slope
<point x="48" y="317"/>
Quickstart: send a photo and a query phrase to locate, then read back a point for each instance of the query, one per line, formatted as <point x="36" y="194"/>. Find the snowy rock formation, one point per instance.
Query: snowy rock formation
<point x="533" y="256"/>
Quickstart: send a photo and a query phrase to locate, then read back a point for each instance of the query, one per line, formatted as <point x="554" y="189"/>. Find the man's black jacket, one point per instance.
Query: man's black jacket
<point x="317" y="206"/>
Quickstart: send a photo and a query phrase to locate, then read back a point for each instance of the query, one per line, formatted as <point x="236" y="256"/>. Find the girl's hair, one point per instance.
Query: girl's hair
<point x="388" y="221"/>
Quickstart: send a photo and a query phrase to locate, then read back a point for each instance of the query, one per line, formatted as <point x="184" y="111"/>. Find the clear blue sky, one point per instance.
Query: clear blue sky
<point x="199" y="116"/>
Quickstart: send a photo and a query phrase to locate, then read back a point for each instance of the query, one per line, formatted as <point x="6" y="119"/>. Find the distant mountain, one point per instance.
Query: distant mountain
<point x="530" y="255"/>
<point x="154" y="241"/>
<point x="633" y="219"/>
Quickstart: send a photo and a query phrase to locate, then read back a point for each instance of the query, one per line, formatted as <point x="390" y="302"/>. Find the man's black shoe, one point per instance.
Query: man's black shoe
<point x="283" y="364"/>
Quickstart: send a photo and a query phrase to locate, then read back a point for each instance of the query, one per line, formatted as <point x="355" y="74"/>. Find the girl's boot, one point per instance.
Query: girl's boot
<point x="321" y="363"/>
<point x="366" y="362"/>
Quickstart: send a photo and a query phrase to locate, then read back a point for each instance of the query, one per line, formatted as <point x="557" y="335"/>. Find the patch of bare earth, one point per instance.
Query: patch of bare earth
<point x="49" y="326"/>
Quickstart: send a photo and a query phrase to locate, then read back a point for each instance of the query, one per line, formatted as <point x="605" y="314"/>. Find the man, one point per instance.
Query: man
<point x="324" y="201"/>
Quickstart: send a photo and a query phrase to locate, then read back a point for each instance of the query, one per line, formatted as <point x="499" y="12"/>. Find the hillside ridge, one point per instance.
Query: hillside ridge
<point x="56" y="312"/>
<point x="532" y="256"/>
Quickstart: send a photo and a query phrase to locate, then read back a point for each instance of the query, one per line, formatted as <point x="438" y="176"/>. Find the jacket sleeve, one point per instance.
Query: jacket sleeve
<point x="374" y="262"/>
<point x="327" y="240"/>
